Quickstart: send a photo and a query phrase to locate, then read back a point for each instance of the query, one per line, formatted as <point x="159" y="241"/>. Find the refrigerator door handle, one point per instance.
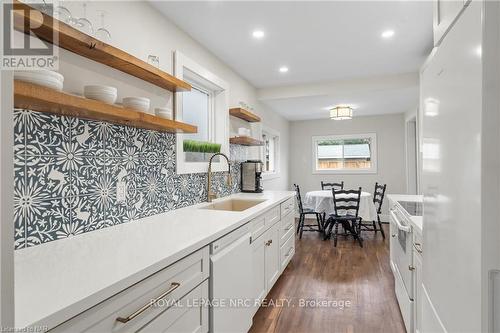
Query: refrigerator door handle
<point x="494" y="306"/>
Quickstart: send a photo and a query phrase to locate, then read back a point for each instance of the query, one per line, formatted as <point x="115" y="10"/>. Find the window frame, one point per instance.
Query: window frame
<point x="276" y="134"/>
<point x="218" y="90"/>
<point x="373" y="157"/>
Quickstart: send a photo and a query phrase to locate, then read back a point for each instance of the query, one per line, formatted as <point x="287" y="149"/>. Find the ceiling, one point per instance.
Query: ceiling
<point x="320" y="42"/>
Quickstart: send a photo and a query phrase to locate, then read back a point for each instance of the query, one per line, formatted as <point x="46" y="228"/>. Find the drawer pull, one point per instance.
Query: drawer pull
<point x="269" y="242"/>
<point x="173" y="286"/>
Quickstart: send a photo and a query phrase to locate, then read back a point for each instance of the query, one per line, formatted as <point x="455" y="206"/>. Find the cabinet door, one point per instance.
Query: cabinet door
<point x="272" y="255"/>
<point x="258" y="270"/>
<point x="445" y="13"/>
<point x="417" y="263"/>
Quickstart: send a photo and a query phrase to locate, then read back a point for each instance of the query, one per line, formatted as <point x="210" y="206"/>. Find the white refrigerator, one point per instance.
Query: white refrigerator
<point x="460" y="150"/>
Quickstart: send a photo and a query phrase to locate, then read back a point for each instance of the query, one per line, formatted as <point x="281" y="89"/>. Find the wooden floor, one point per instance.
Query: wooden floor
<point x="348" y="273"/>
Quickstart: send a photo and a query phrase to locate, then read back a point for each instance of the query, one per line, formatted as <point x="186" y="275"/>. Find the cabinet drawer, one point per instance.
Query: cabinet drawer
<point x="287" y="224"/>
<point x="272" y="216"/>
<point x="172" y="283"/>
<point x="257" y="227"/>
<point x="189" y="315"/>
<point x="287" y="251"/>
<point x="287" y="206"/>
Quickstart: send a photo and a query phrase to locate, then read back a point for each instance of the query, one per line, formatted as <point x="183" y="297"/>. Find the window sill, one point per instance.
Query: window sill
<point x="273" y="175"/>
<point x="344" y="172"/>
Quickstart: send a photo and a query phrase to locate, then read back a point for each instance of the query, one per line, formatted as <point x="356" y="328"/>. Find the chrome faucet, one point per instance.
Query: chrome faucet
<point x="211" y="195"/>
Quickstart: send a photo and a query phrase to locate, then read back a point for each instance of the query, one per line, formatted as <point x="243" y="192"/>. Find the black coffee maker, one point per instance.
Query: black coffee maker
<point x="251" y="174"/>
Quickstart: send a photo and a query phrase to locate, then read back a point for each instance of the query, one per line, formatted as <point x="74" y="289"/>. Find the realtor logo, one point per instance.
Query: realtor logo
<point x="22" y="49"/>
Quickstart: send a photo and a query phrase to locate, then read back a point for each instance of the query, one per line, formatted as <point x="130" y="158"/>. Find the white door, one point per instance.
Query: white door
<point x="451" y="98"/>
<point x="272" y="255"/>
<point x="258" y="273"/>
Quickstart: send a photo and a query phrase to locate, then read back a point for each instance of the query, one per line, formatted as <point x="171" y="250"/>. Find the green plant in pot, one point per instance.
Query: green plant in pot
<point x="201" y="147"/>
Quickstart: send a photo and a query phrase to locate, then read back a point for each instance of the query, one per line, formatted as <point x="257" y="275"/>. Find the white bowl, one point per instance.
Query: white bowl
<point x="137" y="103"/>
<point x="164" y="113"/>
<point x="104" y="94"/>
<point x="41" y="77"/>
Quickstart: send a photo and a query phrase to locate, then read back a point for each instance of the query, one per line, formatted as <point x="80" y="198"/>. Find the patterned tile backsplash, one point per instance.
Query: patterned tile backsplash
<point x="67" y="170"/>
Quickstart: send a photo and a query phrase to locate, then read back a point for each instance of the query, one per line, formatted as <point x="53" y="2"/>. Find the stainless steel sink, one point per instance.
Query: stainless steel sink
<point x="234" y="205"/>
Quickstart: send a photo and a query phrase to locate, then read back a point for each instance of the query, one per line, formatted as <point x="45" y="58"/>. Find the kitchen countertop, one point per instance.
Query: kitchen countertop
<point x="58" y="280"/>
<point x="417" y="221"/>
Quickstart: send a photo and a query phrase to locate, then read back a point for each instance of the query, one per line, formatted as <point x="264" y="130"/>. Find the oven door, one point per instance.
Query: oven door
<point x="401" y="250"/>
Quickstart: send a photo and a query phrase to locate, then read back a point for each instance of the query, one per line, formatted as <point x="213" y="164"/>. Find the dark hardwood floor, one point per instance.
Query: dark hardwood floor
<point x="348" y="273"/>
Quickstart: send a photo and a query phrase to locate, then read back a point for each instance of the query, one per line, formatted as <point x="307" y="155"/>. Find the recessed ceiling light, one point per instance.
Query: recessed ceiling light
<point x="388" y="34"/>
<point x="258" y="34"/>
<point x="283" y="69"/>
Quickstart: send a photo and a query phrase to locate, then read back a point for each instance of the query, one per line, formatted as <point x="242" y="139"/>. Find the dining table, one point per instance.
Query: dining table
<point x="322" y="202"/>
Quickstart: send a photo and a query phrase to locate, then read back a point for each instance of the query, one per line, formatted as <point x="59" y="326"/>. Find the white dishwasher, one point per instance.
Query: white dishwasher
<point x="230" y="283"/>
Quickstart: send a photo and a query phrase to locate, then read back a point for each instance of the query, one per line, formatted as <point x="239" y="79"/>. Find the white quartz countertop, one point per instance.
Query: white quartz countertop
<point x="60" y="279"/>
<point x="417" y="221"/>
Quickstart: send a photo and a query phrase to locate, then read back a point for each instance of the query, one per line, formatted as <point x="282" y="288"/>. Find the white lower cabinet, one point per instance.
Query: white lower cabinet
<point x="133" y="309"/>
<point x="175" y="299"/>
<point x="259" y="290"/>
<point x="189" y="315"/>
<point x="272" y="255"/>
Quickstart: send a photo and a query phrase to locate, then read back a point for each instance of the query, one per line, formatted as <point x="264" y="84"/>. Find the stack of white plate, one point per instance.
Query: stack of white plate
<point x="137" y="103"/>
<point x="101" y="93"/>
<point x="164" y="113"/>
<point x="41" y="77"/>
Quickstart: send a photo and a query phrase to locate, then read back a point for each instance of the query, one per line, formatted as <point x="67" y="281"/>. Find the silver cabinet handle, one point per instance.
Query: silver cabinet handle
<point x="269" y="242"/>
<point x="411" y="268"/>
<point x="173" y="286"/>
<point x="418" y="247"/>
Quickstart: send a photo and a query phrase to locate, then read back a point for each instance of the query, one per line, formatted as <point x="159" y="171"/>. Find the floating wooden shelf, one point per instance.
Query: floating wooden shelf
<point x="69" y="38"/>
<point x="244" y="114"/>
<point x="245" y="141"/>
<point x="37" y="98"/>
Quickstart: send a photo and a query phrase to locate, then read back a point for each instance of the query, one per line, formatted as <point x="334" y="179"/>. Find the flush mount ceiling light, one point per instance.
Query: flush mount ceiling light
<point x="387" y="34"/>
<point x="258" y="34"/>
<point x="283" y="69"/>
<point x="341" y="112"/>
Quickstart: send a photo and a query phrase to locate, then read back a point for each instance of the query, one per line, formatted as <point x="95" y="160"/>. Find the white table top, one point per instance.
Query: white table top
<point x="58" y="280"/>
<point x="328" y="194"/>
<point x="322" y="201"/>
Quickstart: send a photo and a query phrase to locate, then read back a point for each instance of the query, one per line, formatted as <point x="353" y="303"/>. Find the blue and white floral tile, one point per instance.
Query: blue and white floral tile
<point x="156" y="144"/>
<point x="50" y="220"/>
<point x="45" y="133"/>
<point x="48" y="175"/>
<point x="85" y="177"/>
<point x="19" y="133"/>
<point x="122" y="141"/>
<point x="89" y="136"/>
<point x="85" y="214"/>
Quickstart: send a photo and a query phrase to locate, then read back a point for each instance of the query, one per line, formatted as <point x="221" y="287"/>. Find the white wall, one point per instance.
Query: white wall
<point x="390" y="148"/>
<point x="139" y="29"/>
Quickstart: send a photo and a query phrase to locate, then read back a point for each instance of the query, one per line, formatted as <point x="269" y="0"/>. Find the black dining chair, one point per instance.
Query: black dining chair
<point x="303" y="211"/>
<point x="378" y="200"/>
<point x="329" y="186"/>
<point x="346" y="210"/>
